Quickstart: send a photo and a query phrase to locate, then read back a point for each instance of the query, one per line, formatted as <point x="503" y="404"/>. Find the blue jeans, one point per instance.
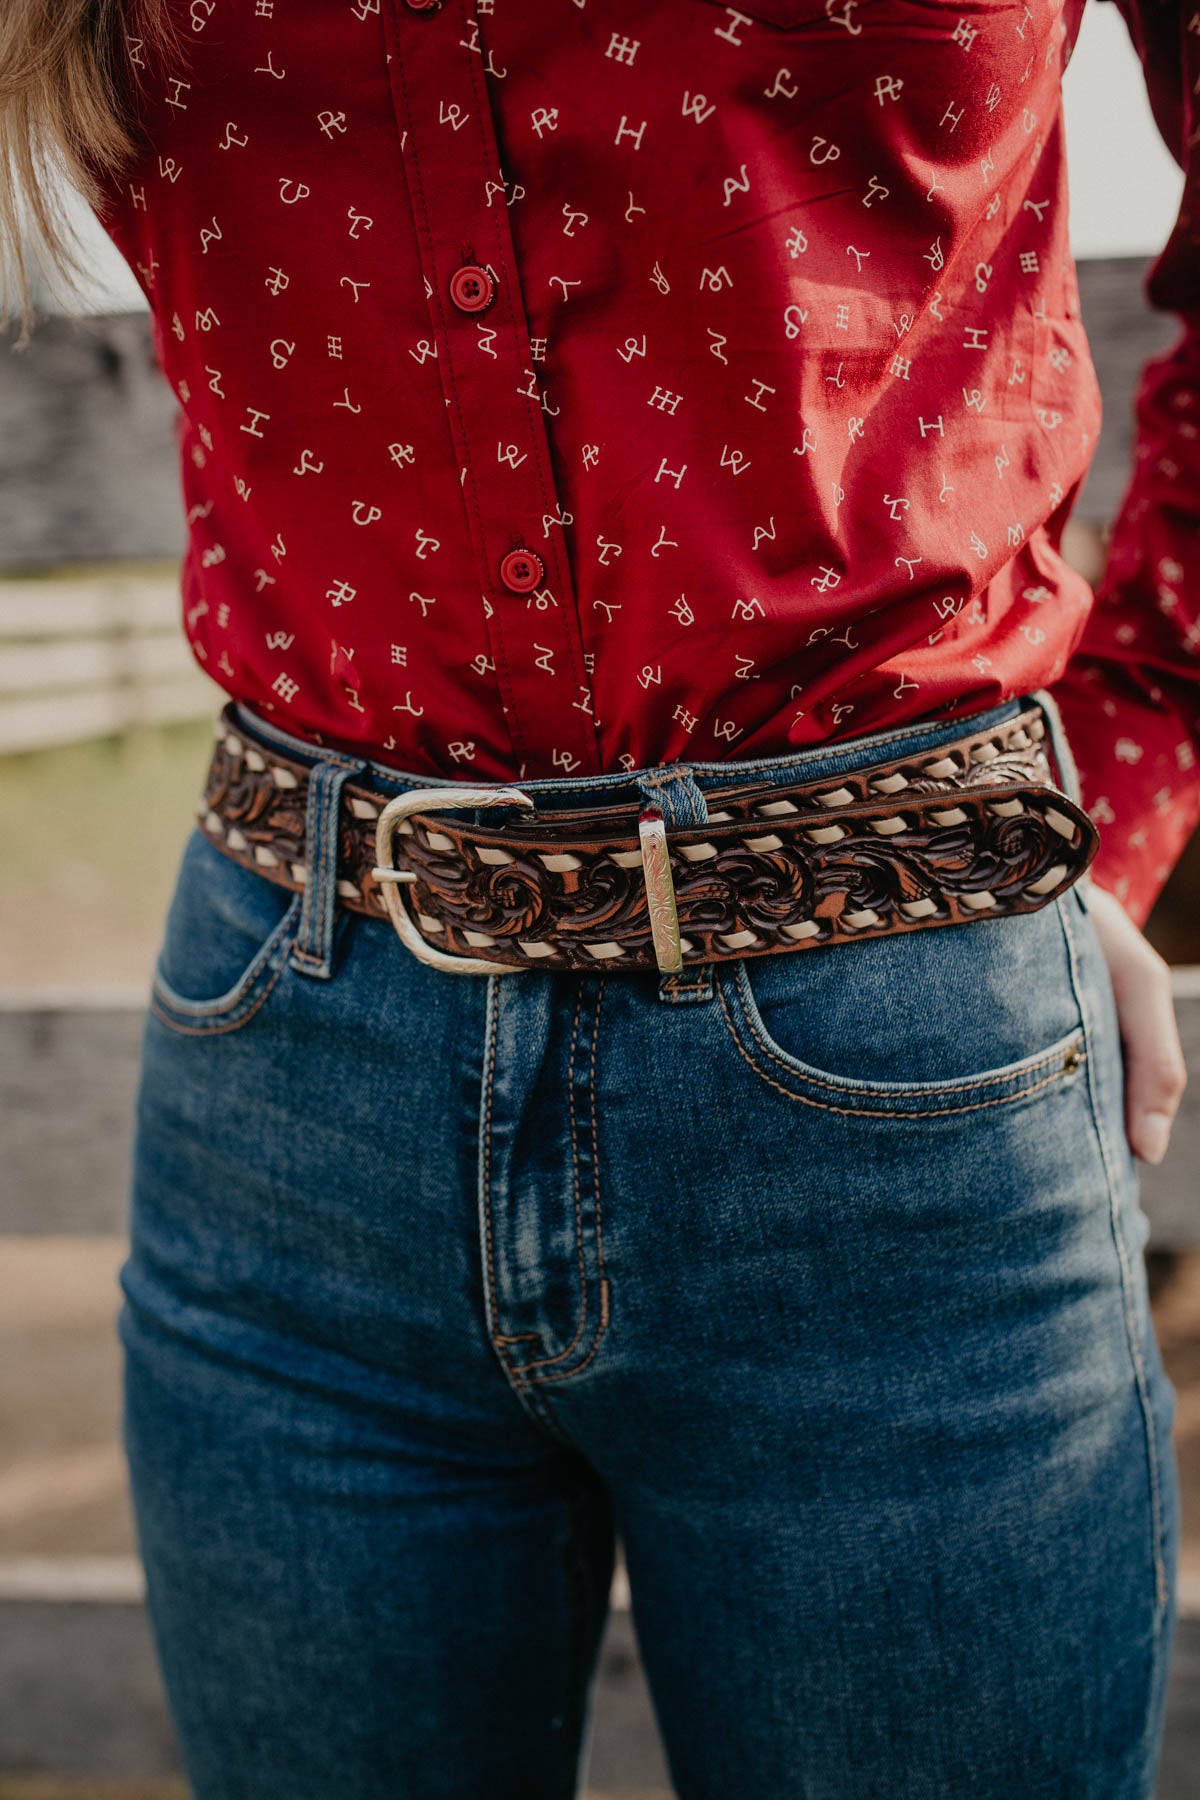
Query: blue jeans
<point x="816" y="1278"/>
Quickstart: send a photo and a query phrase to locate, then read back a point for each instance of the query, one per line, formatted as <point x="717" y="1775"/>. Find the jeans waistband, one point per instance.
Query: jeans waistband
<point x="680" y="791"/>
<point x="813" y="763"/>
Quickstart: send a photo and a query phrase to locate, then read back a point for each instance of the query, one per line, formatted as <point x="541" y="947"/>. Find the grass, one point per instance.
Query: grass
<point x="104" y="569"/>
<point x="92" y="834"/>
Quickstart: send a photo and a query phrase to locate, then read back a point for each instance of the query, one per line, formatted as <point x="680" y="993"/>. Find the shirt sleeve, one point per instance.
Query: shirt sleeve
<point x="1130" y="695"/>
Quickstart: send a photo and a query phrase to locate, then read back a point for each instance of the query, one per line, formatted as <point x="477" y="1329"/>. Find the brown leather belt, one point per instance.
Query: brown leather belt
<point x="973" y="829"/>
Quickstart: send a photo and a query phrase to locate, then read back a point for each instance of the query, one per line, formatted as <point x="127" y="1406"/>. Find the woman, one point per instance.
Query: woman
<point x="626" y="451"/>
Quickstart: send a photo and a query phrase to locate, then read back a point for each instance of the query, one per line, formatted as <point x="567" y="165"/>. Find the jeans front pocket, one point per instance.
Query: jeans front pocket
<point x="225" y="942"/>
<point x="947" y="1019"/>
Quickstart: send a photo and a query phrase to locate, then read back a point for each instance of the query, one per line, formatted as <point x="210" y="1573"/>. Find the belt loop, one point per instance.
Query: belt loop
<point x="681" y="798"/>
<point x="312" y="953"/>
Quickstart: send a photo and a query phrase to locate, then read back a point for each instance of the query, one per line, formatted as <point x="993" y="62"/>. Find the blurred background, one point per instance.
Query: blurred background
<point x="104" y="732"/>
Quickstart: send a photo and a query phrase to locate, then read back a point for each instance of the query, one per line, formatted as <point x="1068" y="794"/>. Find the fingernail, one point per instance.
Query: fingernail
<point x="1154" y="1129"/>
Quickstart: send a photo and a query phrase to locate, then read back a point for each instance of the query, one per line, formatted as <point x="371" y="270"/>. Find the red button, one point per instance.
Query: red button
<point x="472" y="288"/>
<point x="522" y="571"/>
<point x="423" y="5"/>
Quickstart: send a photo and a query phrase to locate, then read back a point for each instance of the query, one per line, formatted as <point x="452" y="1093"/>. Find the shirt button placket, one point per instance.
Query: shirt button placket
<point x="499" y="427"/>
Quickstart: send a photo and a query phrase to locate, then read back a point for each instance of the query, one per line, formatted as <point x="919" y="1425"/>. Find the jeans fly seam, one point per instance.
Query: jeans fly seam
<point x="605" y="1308"/>
<point x="485" y="1168"/>
<point x="525" y="1394"/>
<point x="1128" y="1309"/>
<point x="540" y="1411"/>
<point x="674" y="992"/>
<point x="545" y="1362"/>
<point x="875" y="1112"/>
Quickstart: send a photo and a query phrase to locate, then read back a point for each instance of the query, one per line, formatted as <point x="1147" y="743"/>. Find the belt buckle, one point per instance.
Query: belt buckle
<point x="392" y="879"/>
<point x="656" y="866"/>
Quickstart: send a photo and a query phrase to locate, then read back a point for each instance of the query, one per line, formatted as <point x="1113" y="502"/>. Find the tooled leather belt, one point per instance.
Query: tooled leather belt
<point x="974" y="829"/>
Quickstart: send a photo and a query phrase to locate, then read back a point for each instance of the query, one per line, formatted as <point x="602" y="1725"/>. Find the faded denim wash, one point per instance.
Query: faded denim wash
<point x="816" y="1277"/>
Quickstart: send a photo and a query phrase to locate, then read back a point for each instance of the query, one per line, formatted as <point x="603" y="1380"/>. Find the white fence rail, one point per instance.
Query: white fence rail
<point x="85" y="655"/>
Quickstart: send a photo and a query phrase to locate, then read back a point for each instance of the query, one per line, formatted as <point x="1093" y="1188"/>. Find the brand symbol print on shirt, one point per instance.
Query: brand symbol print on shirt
<point x="756" y="327"/>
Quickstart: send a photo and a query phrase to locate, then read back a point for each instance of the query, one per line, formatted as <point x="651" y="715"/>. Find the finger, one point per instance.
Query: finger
<point x="1155" y="1071"/>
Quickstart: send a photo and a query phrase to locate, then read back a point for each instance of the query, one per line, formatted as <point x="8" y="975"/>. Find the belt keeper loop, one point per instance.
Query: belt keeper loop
<point x="674" y="793"/>
<point x="312" y="952"/>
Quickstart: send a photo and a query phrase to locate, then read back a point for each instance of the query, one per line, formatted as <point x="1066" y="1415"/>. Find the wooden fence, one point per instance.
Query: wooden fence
<point x="82" y="656"/>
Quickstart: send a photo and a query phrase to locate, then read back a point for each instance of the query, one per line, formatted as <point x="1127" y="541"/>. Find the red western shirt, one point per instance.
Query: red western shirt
<point x="576" y="385"/>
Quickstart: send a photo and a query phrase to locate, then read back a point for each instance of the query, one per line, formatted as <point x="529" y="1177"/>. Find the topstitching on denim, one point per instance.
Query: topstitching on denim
<point x="228" y="1011"/>
<point x="1014" y="1082"/>
<point x="525" y="1378"/>
<point x="602" y="1282"/>
<point x="849" y="1087"/>
<point x="1128" y="1297"/>
<point x="313" y="953"/>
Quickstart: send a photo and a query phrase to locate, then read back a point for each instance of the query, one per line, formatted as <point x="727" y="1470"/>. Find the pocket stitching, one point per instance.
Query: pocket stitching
<point x="1007" y="1072"/>
<point x="229" y="1023"/>
<point x="1129" y="1306"/>
<point x="240" y="1002"/>
<point x="1075" y="1040"/>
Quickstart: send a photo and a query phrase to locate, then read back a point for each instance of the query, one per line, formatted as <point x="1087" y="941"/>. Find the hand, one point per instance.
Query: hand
<point x="1155" y="1072"/>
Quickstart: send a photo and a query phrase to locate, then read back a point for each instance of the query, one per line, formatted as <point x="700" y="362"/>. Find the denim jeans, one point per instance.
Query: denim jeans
<point x="815" y="1278"/>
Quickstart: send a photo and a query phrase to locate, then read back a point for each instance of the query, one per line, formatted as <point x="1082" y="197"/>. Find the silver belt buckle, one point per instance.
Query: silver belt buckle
<point x="391" y="879"/>
<point x="656" y="866"/>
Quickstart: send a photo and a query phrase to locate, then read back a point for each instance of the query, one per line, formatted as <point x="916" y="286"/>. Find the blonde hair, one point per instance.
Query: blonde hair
<point x="66" y="69"/>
